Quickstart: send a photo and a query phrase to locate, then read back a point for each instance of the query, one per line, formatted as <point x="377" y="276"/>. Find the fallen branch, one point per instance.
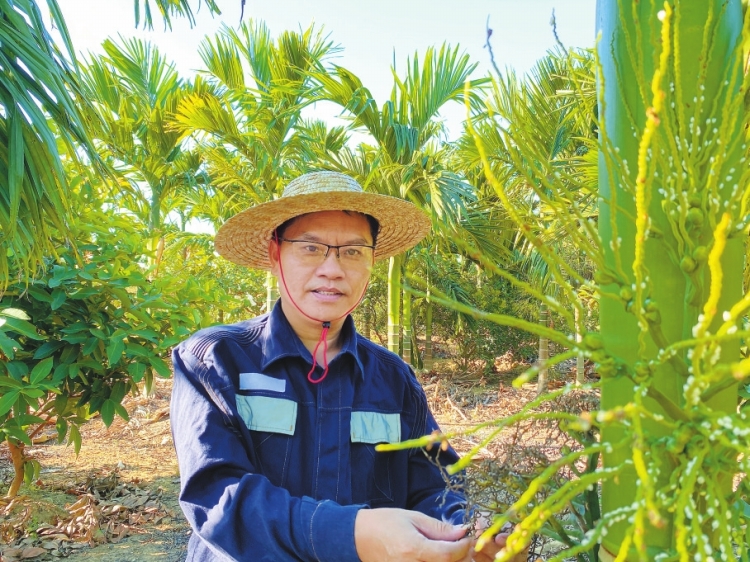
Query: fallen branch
<point x="453" y="405"/>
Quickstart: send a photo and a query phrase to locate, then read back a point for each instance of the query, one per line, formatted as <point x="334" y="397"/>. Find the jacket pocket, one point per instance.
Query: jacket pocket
<point x="265" y="413"/>
<point x="272" y="422"/>
<point x="371" y="470"/>
<point x="375" y="427"/>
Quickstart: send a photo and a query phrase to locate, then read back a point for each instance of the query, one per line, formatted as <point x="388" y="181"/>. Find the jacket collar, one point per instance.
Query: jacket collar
<point x="280" y="340"/>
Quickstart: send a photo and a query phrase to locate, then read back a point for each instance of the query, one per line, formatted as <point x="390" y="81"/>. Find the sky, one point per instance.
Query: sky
<point x="373" y="34"/>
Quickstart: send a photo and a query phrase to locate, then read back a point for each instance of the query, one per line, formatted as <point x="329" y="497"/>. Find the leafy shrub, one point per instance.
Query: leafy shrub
<point x="76" y="340"/>
<point x="230" y="292"/>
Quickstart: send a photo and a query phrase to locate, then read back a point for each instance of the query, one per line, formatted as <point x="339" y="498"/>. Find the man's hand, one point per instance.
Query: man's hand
<point x="399" y="535"/>
<point x="487" y="554"/>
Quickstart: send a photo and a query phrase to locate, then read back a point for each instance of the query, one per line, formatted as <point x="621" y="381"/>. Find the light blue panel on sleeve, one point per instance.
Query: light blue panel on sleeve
<point x="374" y="427"/>
<point x="263" y="413"/>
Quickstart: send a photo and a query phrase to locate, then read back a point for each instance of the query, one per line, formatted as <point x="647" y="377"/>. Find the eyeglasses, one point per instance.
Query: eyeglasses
<point x="315" y="253"/>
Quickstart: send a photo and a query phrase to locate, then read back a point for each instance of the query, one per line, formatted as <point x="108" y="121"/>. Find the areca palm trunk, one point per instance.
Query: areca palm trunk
<point x="272" y="291"/>
<point x="427" y="362"/>
<point x="670" y="162"/>
<point x="154" y="211"/>
<point x="580" y="365"/>
<point x="155" y="240"/>
<point x="541" y="386"/>
<point x="367" y="318"/>
<point x="394" y="302"/>
<point x="407" y="353"/>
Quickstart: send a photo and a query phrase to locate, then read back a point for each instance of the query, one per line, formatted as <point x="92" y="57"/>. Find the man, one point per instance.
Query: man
<point x="275" y="420"/>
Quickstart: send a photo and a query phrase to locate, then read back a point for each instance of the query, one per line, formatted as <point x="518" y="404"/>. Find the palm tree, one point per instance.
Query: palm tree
<point x="43" y="119"/>
<point x="673" y="218"/>
<point x="538" y="138"/>
<point x="249" y="128"/>
<point x="445" y="270"/>
<point x="673" y="226"/>
<point x="404" y="160"/>
<point x="136" y="93"/>
<point x="171" y="8"/>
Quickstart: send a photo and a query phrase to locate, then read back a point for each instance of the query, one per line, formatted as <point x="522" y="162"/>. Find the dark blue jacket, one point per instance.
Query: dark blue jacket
<point x="275" y="468"/>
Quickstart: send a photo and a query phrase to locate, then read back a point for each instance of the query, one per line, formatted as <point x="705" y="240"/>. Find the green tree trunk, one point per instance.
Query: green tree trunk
<point x="428" y="333"/>
<point x="153" y="225"/>
<point x="154" y="211"/>
<point x="407" y="354"/>
<point x="394" y="302"/>
<point x="541" y="385"/>
<point x="367" y="320"/>
<point x="666" y="175"/>
<point x="580" y="328"/>
<point x="272" y="291"/>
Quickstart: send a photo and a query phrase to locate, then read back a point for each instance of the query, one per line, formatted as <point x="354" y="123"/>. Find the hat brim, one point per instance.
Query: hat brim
<point x="244" y="238"/>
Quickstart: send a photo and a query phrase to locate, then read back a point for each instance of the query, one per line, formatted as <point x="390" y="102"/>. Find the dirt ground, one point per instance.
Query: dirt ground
<point x="117" y="500"/>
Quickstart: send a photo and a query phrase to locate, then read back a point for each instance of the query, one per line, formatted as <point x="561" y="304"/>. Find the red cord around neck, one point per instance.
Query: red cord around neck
<point x="326" y="324"/>
<point x="324" y="340"/>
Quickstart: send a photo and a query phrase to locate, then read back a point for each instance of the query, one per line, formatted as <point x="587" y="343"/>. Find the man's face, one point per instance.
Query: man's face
<point x="324" y="289"/>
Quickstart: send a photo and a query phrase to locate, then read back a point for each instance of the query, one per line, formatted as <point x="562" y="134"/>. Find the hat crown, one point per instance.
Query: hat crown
<point x="321" y="182"/>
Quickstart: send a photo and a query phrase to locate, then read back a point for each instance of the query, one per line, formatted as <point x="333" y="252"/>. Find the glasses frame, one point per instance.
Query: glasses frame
<point x="330" y="246"/>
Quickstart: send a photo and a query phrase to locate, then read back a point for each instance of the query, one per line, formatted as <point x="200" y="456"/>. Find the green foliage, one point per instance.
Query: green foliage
<point x="136" y="92"/>
<point x="672" y="227"/>
<point x="43" y="114"/>
<point x="245" y="113"/>
<point x="514" y="204"/>
<point x="230" y="292"/>
<point x="78" y="338"/>
<point x="477" y="342"/>
<point x="168" y="9"/>
<point x="495" y="339"/>
<point x="465" y="336"/>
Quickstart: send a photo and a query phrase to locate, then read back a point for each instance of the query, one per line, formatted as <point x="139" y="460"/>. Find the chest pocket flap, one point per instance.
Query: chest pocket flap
<point x="264" y="413"/>
<point x="374" y="427"/>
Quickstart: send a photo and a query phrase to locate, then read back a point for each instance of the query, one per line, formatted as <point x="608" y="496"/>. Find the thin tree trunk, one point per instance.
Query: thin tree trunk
<point x="427" y="360"/>
<point x="367" y="320"/>
<point x="407" y="354"/>
<point x="154" y="212"/>
<point x="580" y="366"/>
<point x="541" y="386"/>
<point x="18" y="458"/>
<point x="160" y="244"/>
<point x="417" y="361"/>
<point x="394" y="302"/>
<point x="272" y="293"/>
<point x="153" y="240"/>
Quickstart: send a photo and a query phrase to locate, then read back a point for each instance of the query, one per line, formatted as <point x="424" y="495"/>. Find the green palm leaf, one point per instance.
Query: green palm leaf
<point x="247" y="116"/>
<point x="44" y="120"/>
<point x="137" y="93"/>
<point x="169" y="9"/>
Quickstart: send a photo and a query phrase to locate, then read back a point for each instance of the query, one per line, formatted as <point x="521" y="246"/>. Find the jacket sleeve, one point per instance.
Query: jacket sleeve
<point x="431" y="491"/>
<point x="237" y="512"/>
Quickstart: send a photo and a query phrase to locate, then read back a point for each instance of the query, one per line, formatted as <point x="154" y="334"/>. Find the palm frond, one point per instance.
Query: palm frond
<point x="222" y="59"/>
<point x="43" y="122"/>
<point x="168" y="9"/>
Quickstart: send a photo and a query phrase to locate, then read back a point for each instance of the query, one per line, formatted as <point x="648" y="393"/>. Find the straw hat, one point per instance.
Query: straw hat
<point x="244" y="238"/>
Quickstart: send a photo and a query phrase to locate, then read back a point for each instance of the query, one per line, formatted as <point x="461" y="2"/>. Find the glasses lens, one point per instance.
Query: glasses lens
<point x="355" y="254"/>
<point x="310" y="251"/>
